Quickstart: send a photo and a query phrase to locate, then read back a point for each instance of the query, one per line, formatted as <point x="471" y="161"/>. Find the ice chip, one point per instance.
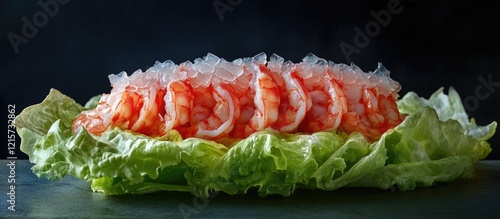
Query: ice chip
<point x="138" y="71"/>
<point x="152" y="74"/>
<point x="355" y="68"/>
<point x="119" y="80"/>
<point x="236" y="70"/>
<point x="158" y="64"/>
<point x="306" y="72"/>
<point x="344" y="72"/>
<point x="260" y="58"/>
<point x="333" y="71"/>
<point x="191" y="73"/>
<point x="238" y="61"/>
<point x="321" y="62"/>
<point x="211" y="58"/>
<point x="166" y="67"/>
<point x="201" y="79"/>
<point x="276" y="58"/>
<point x="198" y="60"/>
<point x="187" y="65"/>
<point x="168" y="63"/>
<point x="275" y="63"/>
<point x="342" y="67"/>
<point x="310" y="59"/>
<point x="138" y="78"/>
<point x="247" y="60"/>
<point x="203" y="67"/>
<point x="227" y="71"/>
<point x="155" y="67"/>
<point x="164" y="80"/>
<point x="179" y="76"/>
<point x="381" y="70"/>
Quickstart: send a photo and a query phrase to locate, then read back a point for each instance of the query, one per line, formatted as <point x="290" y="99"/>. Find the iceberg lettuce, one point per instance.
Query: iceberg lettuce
<point x="435" y="143"/>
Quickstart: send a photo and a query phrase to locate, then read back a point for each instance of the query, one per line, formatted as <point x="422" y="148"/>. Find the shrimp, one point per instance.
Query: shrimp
<point x="259" y="104"/>
<point x="329" y="105"/>
<point x="150" y="121"/>
<point x="372" y="114"/>
<point x="295" y="101"/>
<point x="266" y="100"/>
<point x="178" y="104"/>
<point x="214" y="113"/>
<point x="92" y="120"/>
<point x="215" y="99"/>
<point x="135" y="109"/>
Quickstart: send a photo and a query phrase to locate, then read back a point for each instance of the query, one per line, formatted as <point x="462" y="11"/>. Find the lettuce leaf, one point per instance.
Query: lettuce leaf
<point x="435" y="143"/>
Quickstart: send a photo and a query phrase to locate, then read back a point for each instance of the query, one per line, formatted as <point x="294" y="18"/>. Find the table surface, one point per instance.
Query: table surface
<point x="478" y="195"/>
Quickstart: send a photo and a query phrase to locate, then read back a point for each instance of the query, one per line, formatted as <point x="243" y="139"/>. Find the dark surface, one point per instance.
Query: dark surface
<point x="70" y="197"/>
<point x="427" y="45"/>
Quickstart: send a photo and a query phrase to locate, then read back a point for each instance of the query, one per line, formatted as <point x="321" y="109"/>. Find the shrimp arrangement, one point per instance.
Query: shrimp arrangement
<point x="213" y="98"/>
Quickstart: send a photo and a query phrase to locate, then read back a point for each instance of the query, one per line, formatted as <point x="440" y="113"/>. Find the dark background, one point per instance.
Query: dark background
<point x="428" y="45"/>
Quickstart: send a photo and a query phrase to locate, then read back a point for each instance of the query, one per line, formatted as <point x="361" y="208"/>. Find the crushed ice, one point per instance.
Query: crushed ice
<point x="381" y="70"/>
<point x="212" y="69"/>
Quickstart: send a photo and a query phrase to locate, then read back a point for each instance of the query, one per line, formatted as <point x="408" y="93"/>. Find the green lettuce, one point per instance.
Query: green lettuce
<point x="435" y="143"/>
